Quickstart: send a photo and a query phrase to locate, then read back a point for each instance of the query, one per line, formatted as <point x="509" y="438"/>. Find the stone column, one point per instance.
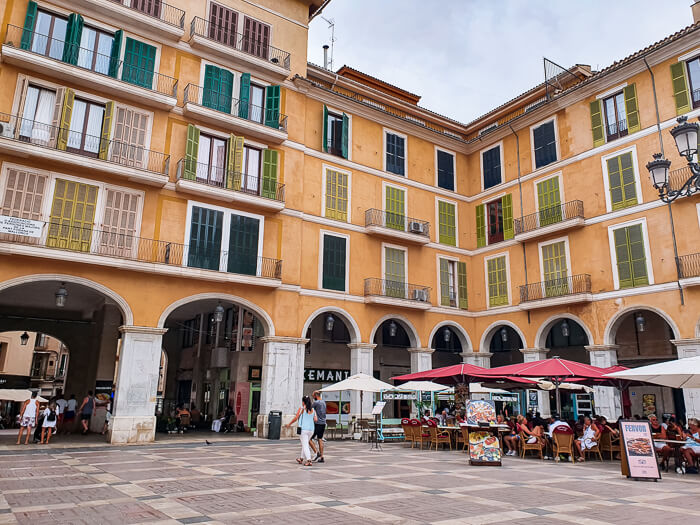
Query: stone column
<point x="482" y="359"/>
<point x="421" y="359"/>
<point x="361" y="362"/>
<point x="282" y="382"/>
<point x="691" y="396"/>
<point x="606" y="399"/>
<point x="134" y="418"/>
<point x="536" y="354"/>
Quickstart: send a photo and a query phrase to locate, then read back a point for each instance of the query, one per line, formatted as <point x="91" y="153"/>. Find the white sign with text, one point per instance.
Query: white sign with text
<point x="18" y="226"/>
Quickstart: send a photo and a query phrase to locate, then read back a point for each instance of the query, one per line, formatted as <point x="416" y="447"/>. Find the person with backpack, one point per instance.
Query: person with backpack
<point x="27" y="417"/>
<point x="49" y="424"/>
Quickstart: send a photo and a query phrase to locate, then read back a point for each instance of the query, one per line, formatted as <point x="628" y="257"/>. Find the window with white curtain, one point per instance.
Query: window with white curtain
<point x="251" y="165"/>
<point x="86" y="127"/>
<point x="95" y="50"/>
<point x="39" y="105"/>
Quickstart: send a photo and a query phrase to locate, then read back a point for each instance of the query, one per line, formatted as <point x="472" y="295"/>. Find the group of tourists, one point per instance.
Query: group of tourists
<point x="42" y="420"/>
<point x="311" y="424"/>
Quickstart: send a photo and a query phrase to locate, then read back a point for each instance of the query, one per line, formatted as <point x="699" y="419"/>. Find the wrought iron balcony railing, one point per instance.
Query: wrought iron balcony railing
<point x="689" y="265"/>
<point x="220" y="177"/>
<point x="397" y="290"/>
<point x="678" y="177"/>
<point x="89" y="59"/>
<point x="548" y="216"/>
<point x="572" y="285"/>
<point x="397" y="221"/>
<point x="62" y="236"/>
<point x="156" y="9"/>
<point x="231" y="106"/>
<point x="256" y="47"/>
<point x="63" y="139"/>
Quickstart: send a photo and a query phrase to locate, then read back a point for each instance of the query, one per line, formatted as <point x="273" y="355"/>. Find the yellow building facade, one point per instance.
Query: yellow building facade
<point x="181" y="190"/>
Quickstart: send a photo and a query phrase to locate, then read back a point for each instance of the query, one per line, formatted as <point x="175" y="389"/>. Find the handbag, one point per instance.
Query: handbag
<point x="299" y="425"/>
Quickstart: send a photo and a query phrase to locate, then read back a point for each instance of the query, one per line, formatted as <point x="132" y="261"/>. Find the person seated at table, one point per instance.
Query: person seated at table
<point x="500" y="420"/>
<point x="536" y="435"/>
<point x="529" y="421"/>
<point x="589" y="438"/>
<point x="602" y="423"/>
<point x="443" y="417"/>
<point x="555" y="422"/>
<point x="663" y="450"/>
<point x="426" y="416"/>
<point x="179" y="412"/>
<point x="673" y="429"/>
<point x="459" y="417"/>
<point x="691" y="450"/>
<point x="217" y="424"/>
<point x="511" y="439"/>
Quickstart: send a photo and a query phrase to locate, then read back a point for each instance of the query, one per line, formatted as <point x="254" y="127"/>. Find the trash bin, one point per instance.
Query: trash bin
<point x="274" y="424"/>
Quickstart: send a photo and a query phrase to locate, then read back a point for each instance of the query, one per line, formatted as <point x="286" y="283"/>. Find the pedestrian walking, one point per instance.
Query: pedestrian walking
<point x="69" y="417"/>
<point x="87" y="410"/>
<point x="61" y="405"/>
<point x="307" y="418"/>
<point x="49" y="423"/>
<point x="108" y="418"/>
<point x="319" y="406"/>
<point x="27" y="417"/>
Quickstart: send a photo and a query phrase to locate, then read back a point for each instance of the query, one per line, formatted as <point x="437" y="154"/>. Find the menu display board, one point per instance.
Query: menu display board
<point x="484" y="448"/>
<point x="480" y="412"/>
<point x="639" y="459"/>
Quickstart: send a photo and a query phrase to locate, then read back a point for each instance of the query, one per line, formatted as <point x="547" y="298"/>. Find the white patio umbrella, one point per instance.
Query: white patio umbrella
<point x="423" y="386"/>
<point x="679" y="373"/>
<point x="359" y="383"/>
<point x="18" y="395"/>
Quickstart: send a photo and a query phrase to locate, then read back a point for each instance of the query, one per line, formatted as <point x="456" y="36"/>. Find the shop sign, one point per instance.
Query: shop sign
<point x="638" y="451"/>
<point x="325" y="375"/>
<point x="504" y="397"/>
<point x="13" y="381"/>
<point x="399" y="396"/>
<point x="426" y="397"/>
<point x="18" y="226"/>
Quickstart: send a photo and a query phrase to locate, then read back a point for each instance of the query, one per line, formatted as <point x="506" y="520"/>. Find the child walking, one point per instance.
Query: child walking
<point x="49" y="424"/>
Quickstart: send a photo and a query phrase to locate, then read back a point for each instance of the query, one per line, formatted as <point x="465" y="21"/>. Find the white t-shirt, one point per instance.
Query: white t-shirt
<point x="61" y="406"/>
<point x="47" y="423"/>
<point x="72" y="405"/>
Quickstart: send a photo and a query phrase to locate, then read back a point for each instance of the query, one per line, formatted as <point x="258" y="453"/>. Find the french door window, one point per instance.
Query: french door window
<point x="211" y="166"/>
<point x="615" y="116"/>
<point x="256" y="109"/>
<point x="39" y="104"/>
<point x="251" y="168"/>
<point x="256" y="37"/>
<point x="694" y="79"/>
<point x="49" y="35"/>
<point x="95" y="50"/>
<point x="494" y="211"/>
<point x="222" y="24"/>
<point x="85" y="127"/>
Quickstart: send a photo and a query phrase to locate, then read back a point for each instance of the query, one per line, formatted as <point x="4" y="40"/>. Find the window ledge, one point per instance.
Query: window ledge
<point x="393" y="301"/>
<point x="245" y="127"/>
<point x="557" y="301"/>
<point x="398" y="234"/>
<point x="222" y="194"/>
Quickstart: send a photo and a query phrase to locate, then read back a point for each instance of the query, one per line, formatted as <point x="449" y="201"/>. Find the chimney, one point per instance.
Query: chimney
<point x="696" y="11"/>
<point x="325" y="47"/>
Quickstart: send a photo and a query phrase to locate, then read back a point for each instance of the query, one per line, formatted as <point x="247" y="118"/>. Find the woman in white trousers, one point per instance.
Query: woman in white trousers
<point x="306" y="416"/>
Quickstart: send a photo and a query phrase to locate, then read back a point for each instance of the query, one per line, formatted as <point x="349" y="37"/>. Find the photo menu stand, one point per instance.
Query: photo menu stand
<point x="474" y="458"/>
<point x="377" y="413"/>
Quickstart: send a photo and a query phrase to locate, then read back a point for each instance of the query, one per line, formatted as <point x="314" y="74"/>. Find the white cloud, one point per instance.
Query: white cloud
<point x="465" y="57"/>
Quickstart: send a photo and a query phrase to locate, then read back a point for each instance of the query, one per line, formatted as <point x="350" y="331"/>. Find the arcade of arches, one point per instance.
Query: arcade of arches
<point x="213" y="351"/>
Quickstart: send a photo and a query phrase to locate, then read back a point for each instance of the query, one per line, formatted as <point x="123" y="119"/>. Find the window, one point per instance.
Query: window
<point x="337" y="195"/>
<point x="447" y="222"/>
<point x="445" y="170"/>
<point x="554" y="269"/>
<point x="205" y="238"/>
<point x="85" y="129"/>
<point x="395" y="272"/>
<point x="95" y="50"/>
<point x="211" y="160"/>
<point x="630" y="255"/>
<point x="37" y="116"/>
<point x="685" y="76"/>
<point x="336" y="130"/>
<point x="694" y="80"/>
<point x="217" y="89"/>
<point x="49" y="34"/>
<point x="251" y="169"/>
<point x="549" y="201"/>
<point x="256" y="109"/>
<point x="395" y="208"/>
<point x="497" y="281"/>
<point x="256" y="37"/>
<point x="453" y="283"/>
<point x="334" y="262"/>
<point x="62" y="365"/>
<point x="222" y="24"/>
<point x="621" y="181"/>
<point x="3" y="355"/>
<point x="544" y="144"/>
<point x="494" y="221"/>
<point x="139" y="63"/>
<point x="491" y="165"/>
<point x="395" y="153"/>
<point x="615" y="115"/>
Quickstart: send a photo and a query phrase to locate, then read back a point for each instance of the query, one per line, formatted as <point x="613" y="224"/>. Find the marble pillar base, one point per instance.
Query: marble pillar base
<point x="482" y="359"/>
<point x="285" y="433"/>
<point x="132" y="429"/>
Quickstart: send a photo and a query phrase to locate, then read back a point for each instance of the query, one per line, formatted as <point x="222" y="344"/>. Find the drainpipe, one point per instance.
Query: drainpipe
<point x="670" y="210"/>
<point x="520" y="189"/>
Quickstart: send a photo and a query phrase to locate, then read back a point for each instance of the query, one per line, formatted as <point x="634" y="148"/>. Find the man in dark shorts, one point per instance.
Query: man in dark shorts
<point x="319" y="406"/>
<point x="87" y="410"/>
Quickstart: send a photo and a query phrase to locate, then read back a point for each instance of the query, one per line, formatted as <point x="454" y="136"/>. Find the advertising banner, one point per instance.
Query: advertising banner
<point x="480" y="412"/>
<point x="638" y="449"/>
<point x="18" y="226"/>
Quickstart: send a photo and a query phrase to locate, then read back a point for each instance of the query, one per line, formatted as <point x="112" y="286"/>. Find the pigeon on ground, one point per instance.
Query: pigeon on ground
<point x="207" y="442"/>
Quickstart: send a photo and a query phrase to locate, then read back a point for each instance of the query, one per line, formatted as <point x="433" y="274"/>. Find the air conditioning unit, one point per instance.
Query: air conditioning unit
<point x="420" y="295"/>
<point x="6" y="130"/>
<point x="416" y="227"/>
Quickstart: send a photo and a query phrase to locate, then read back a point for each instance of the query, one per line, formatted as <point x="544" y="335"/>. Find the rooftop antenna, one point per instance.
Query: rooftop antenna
<point x="331" y="26"/>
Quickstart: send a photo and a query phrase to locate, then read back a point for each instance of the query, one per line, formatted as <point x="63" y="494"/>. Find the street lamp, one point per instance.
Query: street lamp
<point x="61" y="296"/>
<point x="641" y="322"/>
<point x="24" y="339"/>
<point x="393" y="329"/>
<point x="686" y="136"/>
<point x="219" y="313"/>
<point x="446" y="334"/>
<point x="330" y="321"/>
<point x="565" y="328"/>
<point x="504" y="334"/>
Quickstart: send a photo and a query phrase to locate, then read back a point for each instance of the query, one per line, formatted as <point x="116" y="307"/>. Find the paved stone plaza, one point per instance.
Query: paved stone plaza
<point x="259" y="482"/>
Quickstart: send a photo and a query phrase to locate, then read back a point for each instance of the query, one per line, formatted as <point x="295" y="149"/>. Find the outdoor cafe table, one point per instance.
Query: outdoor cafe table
<point x="676" y="445"/>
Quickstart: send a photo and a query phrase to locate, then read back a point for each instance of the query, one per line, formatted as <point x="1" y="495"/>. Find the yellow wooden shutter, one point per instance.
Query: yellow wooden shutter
<point x="680" y="88"/>
<point x="597" y="123"/>
<point x="66" y="115"/>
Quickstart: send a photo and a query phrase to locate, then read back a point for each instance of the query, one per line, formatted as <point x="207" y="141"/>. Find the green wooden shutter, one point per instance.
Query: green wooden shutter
<point x="497" y="281"/>
<point x="74" y="31"/>
<point x="480" y="225"/>
<point x="191" y="151"/>
<point x="447" y="229"/>
<point x="395" y="272"/>
<point x="217" y="89"/>
<point x="597" y="123"/>
<point x="139" y="63"/>
<point x="623" y="190"/>
<point x="205" y="238"/>
<point x="445" y="282"/>
<point x="324" y="144"/>
<point x="66" y="115"/>
<point x="334" y="254"/>
<point x="395" y="208"/>
<point x="336" y="195"/>
<point x="269" y="174"/>
<point x="554" y="269"/>
<point x="507" y="205"/>
<point x="462" y="285"/>
<point x="29" y="23"/>
<point x="549" y="201"/>
<point x="272" y="106"/>
<point x="680" y="88"/>
<point x="345" y="136"/>
<point x="106" y="130"/>
<point x="243" y="245"/>
<point x="244" y="96"/>
<point x="624" y="268"/>
<point x="631" y="258"/>
<point x="632" y="109"/>
<point x="115" y="55"/>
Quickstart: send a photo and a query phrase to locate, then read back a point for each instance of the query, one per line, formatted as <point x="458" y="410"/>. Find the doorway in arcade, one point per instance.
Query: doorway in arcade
<point x="214" y="356"/>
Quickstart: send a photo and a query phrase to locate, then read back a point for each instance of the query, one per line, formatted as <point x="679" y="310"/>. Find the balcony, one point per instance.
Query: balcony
<point x="101" y="73"/>
<point x="567" y="290"/>
<point x="689" y="269"/>
<point x="32" y="139"/>
<point x="255" y="54"/>
<point x="128" y="252"/>
<point x="397" y="293"/>
<point x="226" y="112"/>
<point x="229" y="186"/>
<point x="677" y="178"/>
<point x="150" y="17"/>
<point x="549" y="220"/>
<point x="397" y="226"/>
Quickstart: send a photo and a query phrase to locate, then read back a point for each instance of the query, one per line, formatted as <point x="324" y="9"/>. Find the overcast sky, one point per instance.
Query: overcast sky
<point x="465" y="57"/>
